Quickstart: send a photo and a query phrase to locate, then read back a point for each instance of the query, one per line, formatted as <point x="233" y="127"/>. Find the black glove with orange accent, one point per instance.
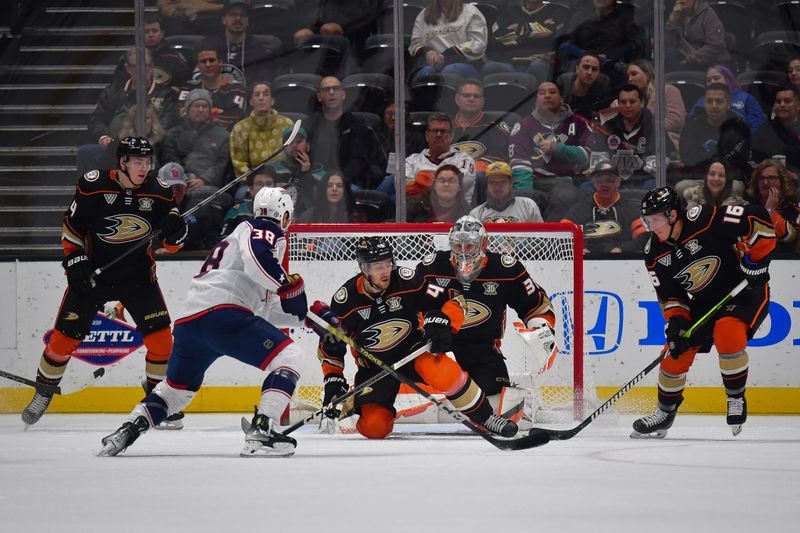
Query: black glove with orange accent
<point x="436" y="328"/>
<point x="173" y="228"/>
<point x="678" y="345"/>
<point x="79" y="273"/>
<point x="335" y="387"/>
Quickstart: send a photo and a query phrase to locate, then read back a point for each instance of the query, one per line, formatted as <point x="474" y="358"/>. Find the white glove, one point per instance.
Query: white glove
<point x="540" y="338"/>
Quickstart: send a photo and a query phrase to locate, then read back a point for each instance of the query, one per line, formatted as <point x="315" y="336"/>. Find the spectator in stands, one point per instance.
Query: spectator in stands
<point x="793" y="72"/>
<point x="228" y="105"/>
<point x="713" y="131"/>
<point x="244" y="59"/>
<point x="243" y="210"/>
<point x="200" y="146"/>
<point x="610" y="221"/>
<point x="298" y="169"/>
<point x="354" y="19"/>
<point x="420" y="168"/>
<point x="695" y="37"/>
<point x="182" y="16"/>
<point x="502" y="204"/>
<point x="742" y="102"/>
<point x="112" y="108"/>
<point x="781" y="135"/>
<point x="444" y="202"/>
<point x="341" y="139"/>
<point x="523" y="39"/>
<point x="334" y="202"/>
<point x="449" y="36"/>
<point x="256" y="137"/>
<point x="585" y="90"/>
<point x="169" y="66"/>
<point x="485" y="139"/>
<point x="611" y="33"/>
<point x="775" y="188"/>
<point x="716" y="190"/>
<point x="642" y="74"/>
<point x="549" y="148"/>
<point x="415" y="141"/>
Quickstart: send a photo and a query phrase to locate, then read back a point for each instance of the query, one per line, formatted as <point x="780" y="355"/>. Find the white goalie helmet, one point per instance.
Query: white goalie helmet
<point x="276" y="204"/>
<point x="468" y="243"/>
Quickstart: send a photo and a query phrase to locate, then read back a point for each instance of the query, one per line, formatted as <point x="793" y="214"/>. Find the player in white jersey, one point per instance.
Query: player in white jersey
<point x="224" y="314"/>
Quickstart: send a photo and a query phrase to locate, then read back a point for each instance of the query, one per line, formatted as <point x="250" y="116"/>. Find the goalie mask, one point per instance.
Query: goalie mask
<point x="468" y="243"/>
<point x="275" y="204"/>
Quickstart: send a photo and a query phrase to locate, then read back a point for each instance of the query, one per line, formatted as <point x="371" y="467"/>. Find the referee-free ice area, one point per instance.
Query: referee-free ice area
<point x="699" y="479"/>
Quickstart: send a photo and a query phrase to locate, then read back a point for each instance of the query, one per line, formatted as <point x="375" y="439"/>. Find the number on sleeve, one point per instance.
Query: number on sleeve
<point x="733" y="214"/>
<point x="654" y="278"/>
<point x="214" y="258"/>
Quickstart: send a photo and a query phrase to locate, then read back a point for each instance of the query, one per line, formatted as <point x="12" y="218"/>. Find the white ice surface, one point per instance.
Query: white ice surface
<point x="699" y="479"/>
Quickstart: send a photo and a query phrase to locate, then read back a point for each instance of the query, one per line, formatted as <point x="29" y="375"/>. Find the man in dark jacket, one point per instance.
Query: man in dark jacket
<point x="781" y="135"/>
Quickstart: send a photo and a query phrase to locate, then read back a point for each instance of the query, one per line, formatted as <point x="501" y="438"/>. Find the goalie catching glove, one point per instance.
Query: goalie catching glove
<point x="293" y="296"/>
<point x="540" y="338"/>
<point x="436" y="329"/>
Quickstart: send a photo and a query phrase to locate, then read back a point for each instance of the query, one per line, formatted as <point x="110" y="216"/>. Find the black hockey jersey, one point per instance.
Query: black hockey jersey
<point x="106" y="220"/>
<point x="504" y="282"/>
<point x="702" y="266"/>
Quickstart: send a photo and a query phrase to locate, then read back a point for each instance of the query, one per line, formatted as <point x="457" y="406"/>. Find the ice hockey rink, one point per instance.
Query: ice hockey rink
<point x="421" y="479"/>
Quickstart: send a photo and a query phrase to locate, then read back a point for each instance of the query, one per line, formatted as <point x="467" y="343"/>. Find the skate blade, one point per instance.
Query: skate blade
<point x="736" y="429"/>
<point x="109" y="450"/>
<point x="658" y="434"/>
<point x="256" y="449"/>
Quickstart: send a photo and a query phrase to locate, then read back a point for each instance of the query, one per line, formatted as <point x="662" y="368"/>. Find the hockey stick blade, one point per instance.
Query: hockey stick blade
<point x="55" y="389"/>
<point x="512" y="443"/>
<point x="558" y="434"/>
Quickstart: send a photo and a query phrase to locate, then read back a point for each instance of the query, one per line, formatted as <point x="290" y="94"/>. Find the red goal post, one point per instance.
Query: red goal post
<point x="324" y="254"/>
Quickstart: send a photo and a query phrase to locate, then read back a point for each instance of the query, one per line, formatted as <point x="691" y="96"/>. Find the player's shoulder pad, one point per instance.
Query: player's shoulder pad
<point x="158" y="183"/>
<point x="694" y="213"/>
<point x="91" y="176"/>
<point x="94" y="180"/>
<point x="506" y="260"/>
<point x="405" y="273"/>
<point x="340" y="296"/>
<point x="429" y="259"/>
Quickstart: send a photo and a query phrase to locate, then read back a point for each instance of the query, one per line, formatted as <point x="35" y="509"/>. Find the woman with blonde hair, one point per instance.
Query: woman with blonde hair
<point x="774" y="187"/>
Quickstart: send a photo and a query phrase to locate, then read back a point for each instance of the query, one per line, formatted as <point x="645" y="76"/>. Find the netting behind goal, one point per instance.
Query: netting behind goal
<point x="325" y="256"/>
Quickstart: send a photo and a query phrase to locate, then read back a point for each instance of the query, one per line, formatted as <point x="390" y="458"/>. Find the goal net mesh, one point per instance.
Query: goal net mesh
<point x="325" y="257"/>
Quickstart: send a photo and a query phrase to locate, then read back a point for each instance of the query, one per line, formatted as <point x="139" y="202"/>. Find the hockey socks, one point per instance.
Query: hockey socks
<point x="276" y="392"/>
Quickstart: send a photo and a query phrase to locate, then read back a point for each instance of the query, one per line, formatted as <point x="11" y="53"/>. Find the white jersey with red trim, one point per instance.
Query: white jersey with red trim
<point x="244" y="270"/>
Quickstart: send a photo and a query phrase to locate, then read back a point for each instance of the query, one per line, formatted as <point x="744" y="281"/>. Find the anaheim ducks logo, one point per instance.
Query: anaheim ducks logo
<point x="475" y="314"/>
<point x="384" y="336"/>
<point x="696" y="276"/>
<point x="125" y="228"/>
<point x="474" y="149"/>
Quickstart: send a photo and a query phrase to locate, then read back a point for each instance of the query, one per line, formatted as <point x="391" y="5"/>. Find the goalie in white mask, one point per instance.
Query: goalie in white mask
<point x="236" y="287"/>
<point x="490" y="282"/>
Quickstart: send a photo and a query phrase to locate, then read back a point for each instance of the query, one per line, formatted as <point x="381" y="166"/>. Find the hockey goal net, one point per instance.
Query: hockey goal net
<point x="325" y="256"/>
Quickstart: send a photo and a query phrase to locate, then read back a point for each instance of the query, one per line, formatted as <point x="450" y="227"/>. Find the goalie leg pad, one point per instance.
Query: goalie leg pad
<point x="159" y="346"/>
<point x="375" y="422"/>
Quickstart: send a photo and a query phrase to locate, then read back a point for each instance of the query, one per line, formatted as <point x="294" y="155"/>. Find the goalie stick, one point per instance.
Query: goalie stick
<point x="356" y="390"/>
<point x="518" y="443"/>
<point x="230" y="184"/>
<point x="558" y="434"/>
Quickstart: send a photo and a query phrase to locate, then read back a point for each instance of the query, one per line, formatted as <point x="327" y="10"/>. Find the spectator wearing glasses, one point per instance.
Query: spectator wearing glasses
<point x="485" y="139"/>
<point x="444" y="201"/>
<point x="585" y="90"/>
<point x="775" y="188"/>
<point x="341" y="139"/>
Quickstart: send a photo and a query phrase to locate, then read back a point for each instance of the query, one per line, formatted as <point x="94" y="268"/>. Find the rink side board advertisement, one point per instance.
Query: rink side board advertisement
<point x="624" y="331"/>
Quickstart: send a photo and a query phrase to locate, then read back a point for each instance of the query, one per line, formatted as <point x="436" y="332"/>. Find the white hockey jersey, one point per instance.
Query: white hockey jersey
<point x="244" y="269"/>
<point x="421" y="168"/>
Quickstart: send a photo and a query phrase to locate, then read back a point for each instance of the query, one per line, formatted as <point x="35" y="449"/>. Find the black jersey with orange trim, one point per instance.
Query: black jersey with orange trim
<point x="692" y="274"/>
<point x="106" y="220"/>
<point x="503" y="282"/>
<point x="387" y="324"/>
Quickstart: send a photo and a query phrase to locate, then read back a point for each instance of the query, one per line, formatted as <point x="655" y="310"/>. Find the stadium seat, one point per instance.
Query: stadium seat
<point x="691" y="83"/>
<point x="737" y="18"/>
<point x="294" y="116"/>
<point x="762" y="84"/>
<point x="185" y="44"/>
<point x="368" y="92"/>
<point x="411" y="8"/>
<point x="326" y="55"/>
<point x="434" y="92"/>
<point x="378" y="54"/>
<point x="514" y="91"/>
<point x="418" y="120"/>
<point x="774" y="49"/>
<point x="504" y="116"/>
<point x="374" y="204"/>
<point x="490" y="9"/>
<point x="276" y="17"/>
<point x="296" y="92"/>
<point x="374" y="121"/>
<point x="784" y="14"/>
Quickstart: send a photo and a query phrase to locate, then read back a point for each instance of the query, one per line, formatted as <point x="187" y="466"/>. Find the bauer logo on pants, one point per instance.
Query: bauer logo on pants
<point x="109" y="341"/>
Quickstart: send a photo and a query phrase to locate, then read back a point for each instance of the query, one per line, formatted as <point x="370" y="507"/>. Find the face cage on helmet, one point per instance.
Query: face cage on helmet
<point x="466" y="254"/>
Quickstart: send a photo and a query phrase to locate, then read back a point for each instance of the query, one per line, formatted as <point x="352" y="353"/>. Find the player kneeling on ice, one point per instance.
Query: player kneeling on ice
<point x="490" y="282"/>
<point x="387" y="311"/>
<point x="693" y="259"/>
<point x="112" y="212"/>
<point x="239" y="283"/>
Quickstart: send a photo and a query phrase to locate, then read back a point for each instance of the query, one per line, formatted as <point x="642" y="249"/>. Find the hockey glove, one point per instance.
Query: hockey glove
<point x="293" y="297"/>
<point x="79" y="273"/>
<point x="335" y="387"/>
<point x="324" y="311"/>
<point x="757" y="272"/>
<point x="173" y="228"/>
<point x="436" y="328"/>
<point x="676" y="327"/>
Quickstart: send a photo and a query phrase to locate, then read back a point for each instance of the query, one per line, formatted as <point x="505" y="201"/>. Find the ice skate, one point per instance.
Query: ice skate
<point x="502" y="427"/>
<point x="123" y="437"/>
<point x="172" y="422"/>
<point x="261" y="440"/>
<point x="737" y="414"/>
<point x="654" y="426"/>
<point x="37" y="407"/>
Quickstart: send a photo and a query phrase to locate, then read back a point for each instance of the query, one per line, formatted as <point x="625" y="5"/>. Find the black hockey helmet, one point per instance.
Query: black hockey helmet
<point x="134" y="146"/>
<point x="661" y="200"/>
<point x="372" y="250"/>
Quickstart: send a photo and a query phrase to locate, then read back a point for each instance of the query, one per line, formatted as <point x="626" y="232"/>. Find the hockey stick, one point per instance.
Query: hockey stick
<point x="557" y="434"/>
<point x="519" y="443"/>
<point x="55" y="389"/>
<point x="357" y="390"/>
<point x="236" y="181"/>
